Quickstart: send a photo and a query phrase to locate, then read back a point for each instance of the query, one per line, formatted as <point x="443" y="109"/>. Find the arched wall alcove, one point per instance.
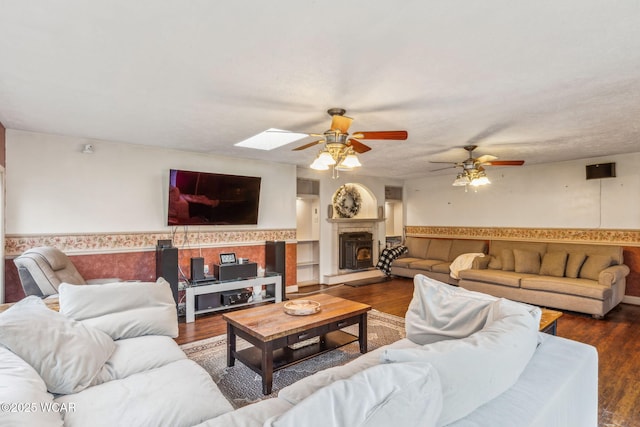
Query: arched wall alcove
<point x="368" y="201"/>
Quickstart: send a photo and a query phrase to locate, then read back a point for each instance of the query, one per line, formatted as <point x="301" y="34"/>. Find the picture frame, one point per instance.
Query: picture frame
<point x="228" y="258"/>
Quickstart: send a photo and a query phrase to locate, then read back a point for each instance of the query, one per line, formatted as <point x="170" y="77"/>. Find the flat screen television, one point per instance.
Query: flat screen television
<point x="202" y="198"/>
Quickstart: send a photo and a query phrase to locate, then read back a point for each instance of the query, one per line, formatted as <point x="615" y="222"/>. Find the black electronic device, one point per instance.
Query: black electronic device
<point x="165" y="243"/>
<point x="235" y="297"/>
<point x="167" y="267"/>
<point x="275" y="261"/>
<point x="207" y="301"/>
<point x="226" y="272"/>
<point x="601" y="170"/>
<point x="197" y="269"/>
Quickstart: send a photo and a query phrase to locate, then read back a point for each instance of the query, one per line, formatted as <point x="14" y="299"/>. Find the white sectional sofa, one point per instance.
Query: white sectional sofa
<point x="469" y="359"/>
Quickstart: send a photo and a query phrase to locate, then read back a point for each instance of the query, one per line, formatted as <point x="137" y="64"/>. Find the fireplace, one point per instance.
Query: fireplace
<point x="356" y="250"/>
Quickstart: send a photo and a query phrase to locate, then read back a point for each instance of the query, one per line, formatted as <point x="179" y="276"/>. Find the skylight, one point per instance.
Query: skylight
<point x="270" y="139"/>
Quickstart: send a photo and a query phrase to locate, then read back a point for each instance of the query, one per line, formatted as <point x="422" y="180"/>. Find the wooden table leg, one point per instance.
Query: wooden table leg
<point x="231" y="345"/>
<point x="362" y="333"/>
<point x="267" y="367"/>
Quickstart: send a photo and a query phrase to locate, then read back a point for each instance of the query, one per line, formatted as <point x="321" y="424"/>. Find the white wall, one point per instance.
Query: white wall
<point x="551" y="195"/>
<point x="53" y="188"/>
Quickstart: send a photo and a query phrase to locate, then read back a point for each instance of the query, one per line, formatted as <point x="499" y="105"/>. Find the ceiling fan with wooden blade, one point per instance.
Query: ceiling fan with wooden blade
<point x="338" y="133"/>
<point x="475" y="163"/>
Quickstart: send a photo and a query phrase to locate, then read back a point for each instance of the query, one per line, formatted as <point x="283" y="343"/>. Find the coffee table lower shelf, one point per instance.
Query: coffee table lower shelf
<point x="286" y="356"/>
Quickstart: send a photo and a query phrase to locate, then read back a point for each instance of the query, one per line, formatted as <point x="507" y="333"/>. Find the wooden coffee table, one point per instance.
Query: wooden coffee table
<point x="271" y="332"/>
<point x="549" y="321"/>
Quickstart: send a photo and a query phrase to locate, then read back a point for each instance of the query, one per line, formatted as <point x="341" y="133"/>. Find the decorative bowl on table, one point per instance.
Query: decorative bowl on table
<point x="301" y="307"/>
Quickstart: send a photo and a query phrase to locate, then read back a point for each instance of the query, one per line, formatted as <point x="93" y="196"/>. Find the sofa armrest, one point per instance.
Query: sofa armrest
<point x="613" y="274"/>
<point x="481" y="262"/>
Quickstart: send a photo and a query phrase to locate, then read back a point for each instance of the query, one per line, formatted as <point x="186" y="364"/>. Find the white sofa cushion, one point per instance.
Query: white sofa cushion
<point x="66" y="354"/>
<point x="300" y="390"/>
<point x="406" y="394"/>
<point x="179" y="394"/>
<point x="123" y="309"/>
<point x="134" y="355"/>
<point x="476" y="369"/>
<point x="439" y="311"/>
<point x="26" y="394"/>
<point x="253" y="415"/>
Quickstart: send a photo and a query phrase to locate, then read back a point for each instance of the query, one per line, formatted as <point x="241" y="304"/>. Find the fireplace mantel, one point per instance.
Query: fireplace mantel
<point x="354" y="220"/>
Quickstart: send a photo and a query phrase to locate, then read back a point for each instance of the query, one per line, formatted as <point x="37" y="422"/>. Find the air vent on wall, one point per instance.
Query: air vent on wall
<point x="308" y="186"/>
<point x="393" y="193"/>
<point x="601" y="170"/>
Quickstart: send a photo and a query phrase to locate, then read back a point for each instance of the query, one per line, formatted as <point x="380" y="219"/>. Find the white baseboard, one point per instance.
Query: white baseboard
<point x="628" y="299"/>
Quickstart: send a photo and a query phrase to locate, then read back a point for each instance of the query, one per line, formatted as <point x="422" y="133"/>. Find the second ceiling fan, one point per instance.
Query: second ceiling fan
<point x="473" y="168"/>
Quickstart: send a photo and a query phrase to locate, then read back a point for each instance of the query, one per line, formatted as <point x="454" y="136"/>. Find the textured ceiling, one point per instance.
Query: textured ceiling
<point x="541" y="81"/>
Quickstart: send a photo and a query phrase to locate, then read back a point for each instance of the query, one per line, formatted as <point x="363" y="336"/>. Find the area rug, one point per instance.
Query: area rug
<point x="241" y="386"/>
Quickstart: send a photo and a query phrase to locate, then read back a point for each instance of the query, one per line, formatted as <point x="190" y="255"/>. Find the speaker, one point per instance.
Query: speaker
<point x="197" y="269"/>
<point x="207" y="301"/>
<point x="601" y="170"/>
<point x="235" y="271"/>
<point x="167" y="267"/>
<point x="275" y="261"/>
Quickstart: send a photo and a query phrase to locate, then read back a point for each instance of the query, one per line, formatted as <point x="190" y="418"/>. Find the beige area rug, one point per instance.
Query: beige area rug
<point x="242" y="386"/>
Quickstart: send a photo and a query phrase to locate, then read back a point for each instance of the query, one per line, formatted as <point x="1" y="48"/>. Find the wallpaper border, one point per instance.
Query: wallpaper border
<point x="577" y="235"/>
<point x="86" y="243"/>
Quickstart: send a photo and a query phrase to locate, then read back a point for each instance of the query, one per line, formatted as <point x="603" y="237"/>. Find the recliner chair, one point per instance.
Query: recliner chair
<point x="42" y="269"/>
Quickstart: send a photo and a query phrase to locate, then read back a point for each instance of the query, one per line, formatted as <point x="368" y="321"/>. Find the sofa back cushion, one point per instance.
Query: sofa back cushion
<point x="526" y="261"/>
<point x="574" y="264"/>
<point x="459" y="247"/>
<point x="496" y="246"/>
<point x="593" y="265"/>
<point x="614" y="252"/>
<point x="507" y="260"/>
<point x="439" y="249"/>
<point x="477" y="369"/>
<point x="67" y="354"/>
<point x="417" y="247"/>
<point x="123" y="309"/>
<point x="403" y="394"/>
<point x="439" y="311"/>
<point x="21" y="384"/>
<point x="554" y="264"/>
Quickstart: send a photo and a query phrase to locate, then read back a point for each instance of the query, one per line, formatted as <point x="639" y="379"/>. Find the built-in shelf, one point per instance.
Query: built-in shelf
<point x="308" y="245"/>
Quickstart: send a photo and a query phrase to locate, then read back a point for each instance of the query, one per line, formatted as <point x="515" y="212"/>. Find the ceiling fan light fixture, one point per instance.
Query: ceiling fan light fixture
<point x="350" y="161"/>
<point x="461" y="180"/>
<point x="319" y="165"/>
<point x="479" y="180"/>
<point x="326" y="158"/>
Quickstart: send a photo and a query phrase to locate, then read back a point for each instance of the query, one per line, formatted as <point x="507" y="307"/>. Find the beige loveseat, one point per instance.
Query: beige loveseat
<point x="433" y="257"/>
<point x="586" y="278"/>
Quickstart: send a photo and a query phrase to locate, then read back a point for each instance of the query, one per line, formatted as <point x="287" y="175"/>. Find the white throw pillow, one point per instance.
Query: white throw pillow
<point x="402" y="394"/>
<point x="64" y="352"/>
<point x="476" y="369"/>
<point x="123" y="309"/>
<point x="22" y="388"/>
<point x="439" y="311"/>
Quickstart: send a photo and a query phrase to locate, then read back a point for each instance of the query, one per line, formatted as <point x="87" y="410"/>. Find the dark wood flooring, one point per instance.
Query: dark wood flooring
<point x="617" y="338"/>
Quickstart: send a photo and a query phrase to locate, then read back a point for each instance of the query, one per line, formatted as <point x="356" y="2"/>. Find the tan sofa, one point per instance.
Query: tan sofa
<point x="586" y="278"/>
<point x="433" y="257"/>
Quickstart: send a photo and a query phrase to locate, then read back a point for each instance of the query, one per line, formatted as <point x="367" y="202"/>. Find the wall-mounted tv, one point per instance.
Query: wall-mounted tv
<point x="202" y="198"/>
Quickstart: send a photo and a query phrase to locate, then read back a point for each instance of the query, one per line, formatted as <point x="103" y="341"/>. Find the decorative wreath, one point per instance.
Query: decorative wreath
<point x="347" y="201"/>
